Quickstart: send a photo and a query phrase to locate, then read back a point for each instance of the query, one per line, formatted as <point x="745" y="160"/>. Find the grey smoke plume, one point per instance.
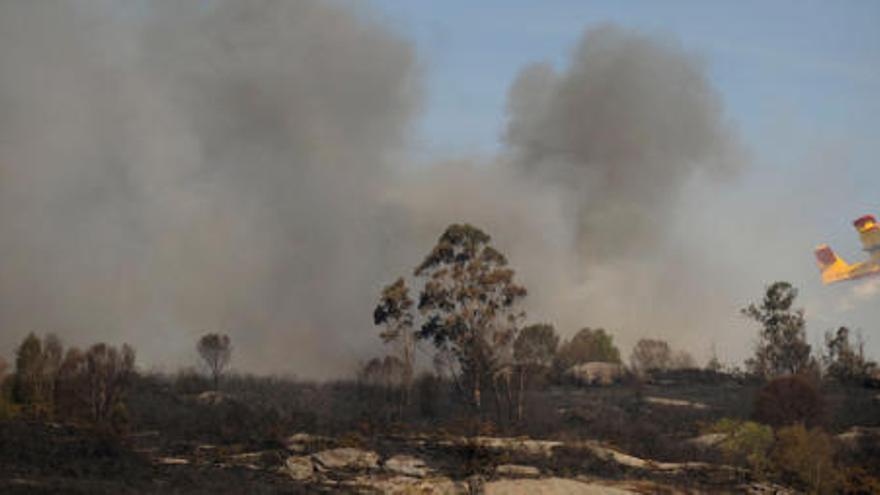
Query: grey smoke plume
<point x="623" y="129"/>
<point x="627" y="132"/>
<point x="173" y="168"/>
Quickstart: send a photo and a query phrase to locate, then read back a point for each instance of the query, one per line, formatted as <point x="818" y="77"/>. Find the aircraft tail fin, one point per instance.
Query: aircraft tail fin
<point x="833" y="267"/>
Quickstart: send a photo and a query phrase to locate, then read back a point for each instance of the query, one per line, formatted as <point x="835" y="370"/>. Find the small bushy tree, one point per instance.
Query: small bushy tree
<point x="586" y="346"/>
<point x="782" y="346"/>
<point x="216" y="351"/>
<point x="650" y="355"/>
<point x="108" y="375"/>
<point x="844" y="360"/>
<point x="36" y="365"/>
<point x="787" y="400"/>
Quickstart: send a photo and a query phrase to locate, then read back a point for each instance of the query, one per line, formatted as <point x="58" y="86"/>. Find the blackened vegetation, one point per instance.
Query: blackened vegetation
<point x="89" y="422"/>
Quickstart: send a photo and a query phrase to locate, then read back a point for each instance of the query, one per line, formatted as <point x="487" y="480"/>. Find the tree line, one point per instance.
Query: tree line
<point x="469" y="307"/>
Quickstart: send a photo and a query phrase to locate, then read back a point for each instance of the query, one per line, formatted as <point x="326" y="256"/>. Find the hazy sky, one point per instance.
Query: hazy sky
<point x="263" y="168"/>
<point x="799" y="82"/>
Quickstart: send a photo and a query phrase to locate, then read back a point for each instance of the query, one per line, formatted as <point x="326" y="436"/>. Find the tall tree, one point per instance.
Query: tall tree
<point x="782" y="346"/>
<point x="470" y="303"/>
<point x="108" y="373"/>
<point x="216" y="351"/>
<point x="394" y="311"/>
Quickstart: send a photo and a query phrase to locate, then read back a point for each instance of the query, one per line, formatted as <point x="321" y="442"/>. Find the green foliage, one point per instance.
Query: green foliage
<point x="586" y="346"/>
<point x="782" y="347"/>
<point x="745" y="442"/>
<point x="805" y="459"/>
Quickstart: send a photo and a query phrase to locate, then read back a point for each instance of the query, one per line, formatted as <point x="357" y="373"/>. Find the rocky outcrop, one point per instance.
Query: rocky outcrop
<point x="596" y="373"/>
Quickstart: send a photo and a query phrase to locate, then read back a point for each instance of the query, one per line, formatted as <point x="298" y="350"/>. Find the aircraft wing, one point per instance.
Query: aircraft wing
<point x="835" y="269"/>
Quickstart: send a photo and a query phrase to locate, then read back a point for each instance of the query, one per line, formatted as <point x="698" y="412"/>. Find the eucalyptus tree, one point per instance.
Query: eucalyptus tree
<point x="470" y="305"/>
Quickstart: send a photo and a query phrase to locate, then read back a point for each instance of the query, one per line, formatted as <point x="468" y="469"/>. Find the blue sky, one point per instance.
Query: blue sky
<point x="818" y="62"/>
<point x="799" y="81"/>
<point x="794" y="76"/>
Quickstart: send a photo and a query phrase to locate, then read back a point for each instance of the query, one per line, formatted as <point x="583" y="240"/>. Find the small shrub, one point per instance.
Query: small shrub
<point x="745" y="442"/>
<point x="805" y="459"/>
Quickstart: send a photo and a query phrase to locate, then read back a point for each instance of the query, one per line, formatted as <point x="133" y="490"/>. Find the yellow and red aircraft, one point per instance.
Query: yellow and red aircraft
<point x="835" y="269"/>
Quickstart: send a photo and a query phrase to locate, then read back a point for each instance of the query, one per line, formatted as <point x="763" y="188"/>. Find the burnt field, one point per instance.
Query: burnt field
<point x="255" y="435"/>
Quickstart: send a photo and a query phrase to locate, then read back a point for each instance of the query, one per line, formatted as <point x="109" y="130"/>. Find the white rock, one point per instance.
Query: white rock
<point x="708" y="440"/>
<point x="299" y="468"/>
<point x="596" y="373"/>
<point x="662" y="401"/>
<point x="407" y="465"/>
<point x="346" y="458"/>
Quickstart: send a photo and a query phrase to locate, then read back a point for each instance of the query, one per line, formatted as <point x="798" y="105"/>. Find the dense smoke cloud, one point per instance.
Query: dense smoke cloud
<point x="627" y="131"/>
<point x="623" y="128"/>
<point x="182" y="167"/>
<point x="176" y="168"/>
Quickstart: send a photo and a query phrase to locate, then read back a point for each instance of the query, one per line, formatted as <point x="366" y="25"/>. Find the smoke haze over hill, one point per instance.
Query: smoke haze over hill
<point x="177" y="168"/>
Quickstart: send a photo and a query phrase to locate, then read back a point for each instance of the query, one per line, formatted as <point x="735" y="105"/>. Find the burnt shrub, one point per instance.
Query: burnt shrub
<point x="427" y="392"/>
<point x="788" y="400"/>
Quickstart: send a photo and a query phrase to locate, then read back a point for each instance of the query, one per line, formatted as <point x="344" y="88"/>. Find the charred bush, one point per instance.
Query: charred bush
<point x="788" y="400"/>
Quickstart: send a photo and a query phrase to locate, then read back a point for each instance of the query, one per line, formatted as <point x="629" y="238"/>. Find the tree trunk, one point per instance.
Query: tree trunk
<point x="497" y="394"/>
<point x="508" y="389"/>
<point x="519" y="399"/>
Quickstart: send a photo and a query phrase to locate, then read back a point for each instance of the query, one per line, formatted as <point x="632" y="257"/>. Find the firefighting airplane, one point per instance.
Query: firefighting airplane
<point x="834" y="269"/>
